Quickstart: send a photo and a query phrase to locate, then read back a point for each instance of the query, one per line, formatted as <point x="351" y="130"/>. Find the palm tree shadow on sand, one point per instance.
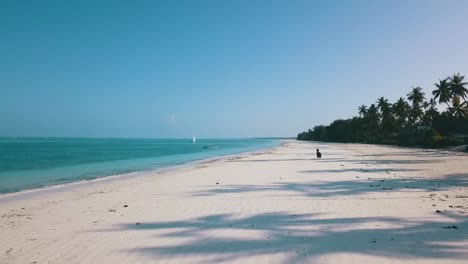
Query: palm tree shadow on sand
<point x="343" y="188"/>
<point x="305" y="237"/>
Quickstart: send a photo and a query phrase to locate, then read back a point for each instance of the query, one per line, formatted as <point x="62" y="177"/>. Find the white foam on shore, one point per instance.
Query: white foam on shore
<point x="70" y="186"/>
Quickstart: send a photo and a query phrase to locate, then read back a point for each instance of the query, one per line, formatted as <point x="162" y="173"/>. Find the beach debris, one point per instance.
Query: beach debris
<point x="112" y="210"/>
<point x="137" y="223"/>
<point x="126" y="205"/>
<point x="450" y="227"/>
<point x="217" y="183"/>
<point x="358" y="177"/>
<point x="438" y="211"/>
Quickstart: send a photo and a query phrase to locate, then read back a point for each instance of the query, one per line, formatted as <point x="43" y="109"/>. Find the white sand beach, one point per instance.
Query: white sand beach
<point x="358" y="204"/>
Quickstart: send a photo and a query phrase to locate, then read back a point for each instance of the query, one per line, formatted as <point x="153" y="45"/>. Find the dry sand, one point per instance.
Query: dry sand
<point x="358" y="204"/>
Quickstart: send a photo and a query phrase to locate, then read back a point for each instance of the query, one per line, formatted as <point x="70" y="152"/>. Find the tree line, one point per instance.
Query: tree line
<point x="410" y="121"/>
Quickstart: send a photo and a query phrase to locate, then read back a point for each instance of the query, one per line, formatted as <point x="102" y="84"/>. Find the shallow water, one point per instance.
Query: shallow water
<point x="27" y="163"/>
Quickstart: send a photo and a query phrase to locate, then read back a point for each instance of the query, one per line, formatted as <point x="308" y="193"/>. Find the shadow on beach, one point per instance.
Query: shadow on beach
<point x="346" y="187"/>
<point x="307" y="236"/>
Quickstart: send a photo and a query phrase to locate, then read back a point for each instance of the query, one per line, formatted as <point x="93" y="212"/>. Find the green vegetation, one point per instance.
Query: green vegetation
<point x="412" y="122"/>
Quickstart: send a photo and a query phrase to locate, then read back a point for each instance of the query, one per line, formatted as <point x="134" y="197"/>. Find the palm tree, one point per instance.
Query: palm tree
<point x="431" y="112"/>
<point x="416" y="96"/>
<point x="458" y="109"/>
<point x="372" y="119"/>
<point x="425" y="104"/>
<point x="432" y="104"/>
<point x="401" y="108"/>
<point x="373" y="110"/>
<point x="387" y="122"/>
<point x="373" y="113"/>
<point x="442" y="92"/>
<point x="362" y="110"/>
<point x="457" y="86"/>
<point x="383" y="105"/>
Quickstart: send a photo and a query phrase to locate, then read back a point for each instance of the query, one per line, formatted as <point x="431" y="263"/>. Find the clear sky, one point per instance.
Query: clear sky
<point x="215" y="68"/>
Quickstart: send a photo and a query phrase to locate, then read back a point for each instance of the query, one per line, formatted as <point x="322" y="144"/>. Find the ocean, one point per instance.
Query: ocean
<point x="29" y="163"/>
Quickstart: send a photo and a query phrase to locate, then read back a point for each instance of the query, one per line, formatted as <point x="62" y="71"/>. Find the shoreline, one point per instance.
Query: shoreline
<point x="454" y="149"/>
<point x="69" y="186"/>
<point x="357" y="204"/>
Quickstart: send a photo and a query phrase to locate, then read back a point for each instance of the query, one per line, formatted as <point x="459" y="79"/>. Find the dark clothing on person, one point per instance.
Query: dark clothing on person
<point x="319" y="154"/>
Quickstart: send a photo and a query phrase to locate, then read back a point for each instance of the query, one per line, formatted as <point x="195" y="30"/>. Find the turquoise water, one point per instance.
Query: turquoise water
<point x="27" y="163"/>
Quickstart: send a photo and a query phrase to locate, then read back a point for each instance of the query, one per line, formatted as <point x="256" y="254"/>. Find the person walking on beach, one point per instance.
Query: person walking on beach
<point x="319" y="154"/>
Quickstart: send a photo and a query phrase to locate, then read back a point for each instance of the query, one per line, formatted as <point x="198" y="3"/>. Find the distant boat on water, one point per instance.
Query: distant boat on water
<point x="194" y="140"/>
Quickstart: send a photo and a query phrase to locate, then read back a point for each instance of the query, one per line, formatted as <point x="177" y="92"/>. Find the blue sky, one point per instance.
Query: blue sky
<point x="215" y="68"/>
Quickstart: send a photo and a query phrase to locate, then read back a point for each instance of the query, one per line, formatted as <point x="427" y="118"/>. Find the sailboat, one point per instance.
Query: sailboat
<point x="194" y="140"/>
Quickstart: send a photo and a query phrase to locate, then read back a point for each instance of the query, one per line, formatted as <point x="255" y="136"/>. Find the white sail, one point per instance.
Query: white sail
<point x="193" y="140"/>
